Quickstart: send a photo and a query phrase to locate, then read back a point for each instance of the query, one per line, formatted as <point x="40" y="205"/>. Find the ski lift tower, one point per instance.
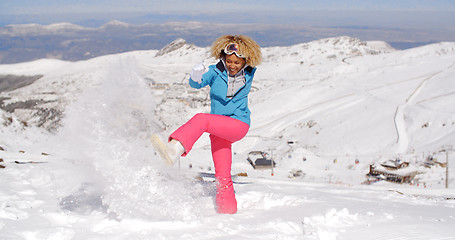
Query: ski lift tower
<point x="447" y="149"/>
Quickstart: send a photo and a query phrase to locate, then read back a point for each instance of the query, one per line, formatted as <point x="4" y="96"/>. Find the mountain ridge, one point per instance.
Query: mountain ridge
<point x="71" y="42"/>
<point x="314" y="65"/>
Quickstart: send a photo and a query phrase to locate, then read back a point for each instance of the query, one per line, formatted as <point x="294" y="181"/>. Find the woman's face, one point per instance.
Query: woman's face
<point x="234" y="63"/>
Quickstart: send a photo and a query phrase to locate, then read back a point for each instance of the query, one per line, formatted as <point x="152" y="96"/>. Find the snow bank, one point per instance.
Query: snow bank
<point x="325" y="110"/>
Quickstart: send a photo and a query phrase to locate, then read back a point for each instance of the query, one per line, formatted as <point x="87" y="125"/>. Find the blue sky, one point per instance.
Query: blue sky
<point x="422" y="20"/>
<point x="201" y="6"/>
<point x="381" y="13"/>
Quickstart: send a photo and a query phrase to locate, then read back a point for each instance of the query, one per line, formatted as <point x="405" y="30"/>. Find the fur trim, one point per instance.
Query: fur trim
<point x="247" y="46"/>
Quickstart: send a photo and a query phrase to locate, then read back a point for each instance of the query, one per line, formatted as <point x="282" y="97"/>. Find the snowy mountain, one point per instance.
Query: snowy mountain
<point x="71" y="42"/>
<point x="79" y="164"/>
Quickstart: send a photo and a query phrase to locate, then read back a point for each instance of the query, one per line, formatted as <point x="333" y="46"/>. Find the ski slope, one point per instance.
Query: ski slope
<point x="317" y="107"/>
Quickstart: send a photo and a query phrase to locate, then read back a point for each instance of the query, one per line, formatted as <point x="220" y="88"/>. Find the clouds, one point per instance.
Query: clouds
<point x="206" y="6"/>
<point x="87" y="6"/>
<point x="384" y="13"/>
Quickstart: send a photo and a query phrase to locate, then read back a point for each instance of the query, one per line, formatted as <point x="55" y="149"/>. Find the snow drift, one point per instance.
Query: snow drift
<point x="79" y="164"/>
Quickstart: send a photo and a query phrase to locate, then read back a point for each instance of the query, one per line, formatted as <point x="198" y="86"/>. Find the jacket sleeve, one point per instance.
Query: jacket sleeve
<point x="206" y="79"/>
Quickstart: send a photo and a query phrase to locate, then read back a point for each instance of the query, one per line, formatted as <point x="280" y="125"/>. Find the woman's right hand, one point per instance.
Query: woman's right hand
<point x="198" y="71"/>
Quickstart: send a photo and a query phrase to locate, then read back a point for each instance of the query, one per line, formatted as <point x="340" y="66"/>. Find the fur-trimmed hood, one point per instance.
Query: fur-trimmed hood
<point x="247" y="46"/>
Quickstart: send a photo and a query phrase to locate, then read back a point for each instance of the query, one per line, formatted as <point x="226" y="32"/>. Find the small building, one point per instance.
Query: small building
<point x="378" y="174"/>
<point x="260" y="160"/>
<point x="395" y="164"/>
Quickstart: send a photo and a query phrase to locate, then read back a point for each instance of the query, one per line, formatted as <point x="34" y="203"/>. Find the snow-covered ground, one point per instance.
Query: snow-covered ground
<point x="324" y="110"/>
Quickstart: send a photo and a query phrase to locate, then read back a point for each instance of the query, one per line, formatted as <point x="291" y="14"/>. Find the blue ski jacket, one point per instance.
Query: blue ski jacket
<point x="235" y="107"/>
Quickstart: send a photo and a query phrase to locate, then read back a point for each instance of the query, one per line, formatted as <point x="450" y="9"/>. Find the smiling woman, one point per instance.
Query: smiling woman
<point x="234" y="64"/>
<point x="229" y="119"/>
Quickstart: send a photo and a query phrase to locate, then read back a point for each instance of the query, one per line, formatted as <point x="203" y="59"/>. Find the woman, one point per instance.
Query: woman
<point x="229" y="119"/>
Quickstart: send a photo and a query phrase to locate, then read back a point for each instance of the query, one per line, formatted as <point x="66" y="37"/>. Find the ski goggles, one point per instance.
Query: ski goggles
<point x="233" y="48"/>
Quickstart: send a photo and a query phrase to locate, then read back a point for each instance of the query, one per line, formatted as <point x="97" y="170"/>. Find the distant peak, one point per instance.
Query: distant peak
<point x="63" y="26"/>
<point x="174" y="45"/>
<point x="115" y="23"/>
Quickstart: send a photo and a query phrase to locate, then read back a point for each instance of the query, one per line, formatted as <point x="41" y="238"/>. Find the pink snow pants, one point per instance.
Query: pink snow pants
<point x="223" y="132"/>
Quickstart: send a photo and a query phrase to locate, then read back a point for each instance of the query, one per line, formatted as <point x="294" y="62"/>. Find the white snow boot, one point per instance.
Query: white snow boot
<point x="169" y="151"/>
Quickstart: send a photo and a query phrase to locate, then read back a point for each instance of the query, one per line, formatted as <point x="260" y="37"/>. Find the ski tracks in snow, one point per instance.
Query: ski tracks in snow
<point x="403" y="139"/>
<point x="297" y="115"/>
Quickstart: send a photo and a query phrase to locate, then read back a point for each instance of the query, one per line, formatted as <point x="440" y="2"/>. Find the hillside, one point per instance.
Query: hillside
<point x="324" y="110"/>
<point x="71" y="42"/>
